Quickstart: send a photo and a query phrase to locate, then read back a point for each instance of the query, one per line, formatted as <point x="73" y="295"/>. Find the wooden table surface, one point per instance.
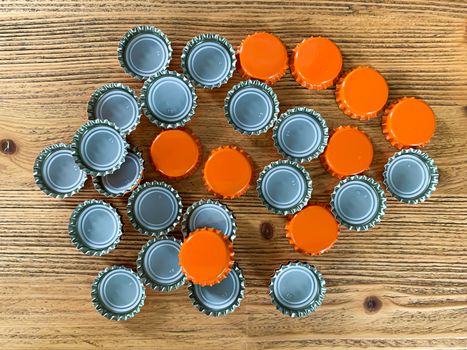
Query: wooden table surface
<point x="402" y="284"/>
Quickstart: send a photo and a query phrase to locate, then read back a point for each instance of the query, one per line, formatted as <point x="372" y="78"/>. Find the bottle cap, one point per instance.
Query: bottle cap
<point x="158" y="264"/>
<point x="297" y="289"/>
<point x="125" y="179"/>
<point x="284" y="187"/>
<point x="408" y="122"/>
<point x="154" y="208"/>
<point x="411" y="176"/>
<point x="99" y="148"/>
<point x="361" y="93"/>
<point x="228" y="172"/>
<point x="222" y="298"/>
<point x="56" y="173"/>
<point x="118" y="103"/>
<point x="209" y="213"/>
<point x="316" y="63"/>
<point x="313" y="230"/>
<point x="118" y="293"/>
<point x="300" y="134"/>
<point x="358" y="202"/>
<point x="349" y="152"/>
<point x="95" y="227"/>
<point x="144" y="51"/>
<point x="168" y="99"/>
<point x="262" y="56"/>
<point x="176" y="153"/>
<point x="251" y="107"/>
<point x="209" y="60"/>
<point x="206" y="256"/>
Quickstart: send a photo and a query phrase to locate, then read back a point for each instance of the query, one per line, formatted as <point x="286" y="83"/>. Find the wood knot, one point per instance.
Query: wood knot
<point x="7" y="146"/>
<point x="372" y="304"/>
<point x="267" y="230"/>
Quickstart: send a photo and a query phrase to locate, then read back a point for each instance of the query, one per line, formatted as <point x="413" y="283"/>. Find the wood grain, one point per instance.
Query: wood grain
<point x="400" y="285"/>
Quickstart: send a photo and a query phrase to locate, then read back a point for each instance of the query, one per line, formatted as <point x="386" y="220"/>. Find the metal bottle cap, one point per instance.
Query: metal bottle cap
<point x="168" y="99"/>
<point x="411" y="176"/>
<point x="144" y="51"/>
<point x="251" y="107"/>
<point x="125" y="179"/>
<point x="358" y="202"/>
<point x="221" y="298"/>
<point x="154" y="208"/>
<point x="118" y="293"/>
<point x="297" y="289"/>
<point x="209" y="213"/>
<point x="118" y="103"/>
<point x="95" y="227"/>
<point x="209" y="60"/>
<point x="99" y="148"/>
<point x="300" y="134"/>
<point x="158" y="264"/>
<point x="284" y="187"/>
<point x="56" y="172"/>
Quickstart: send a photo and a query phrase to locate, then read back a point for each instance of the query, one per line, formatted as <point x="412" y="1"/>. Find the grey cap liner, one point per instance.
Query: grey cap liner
<point x="194" y="206"/>
<point x="100" y="187"/>
<point x="131" y="204"/>
<point x="381" y="205"/>
<point x="74" y="236"/>
<point x="130" y="35"/>
<point x="306" y="310"/>
<point x="307" y="180"/>
<point x="216" y="313"/>
<point x="143" y="275"/>
<point x="98" y="93"/>
<point x="213" y="38"/>
<point x="313" y="114"/>
<point x="433" y="175"/>
<point x="98" y="304"/>
<point x="37" y="168"/>
<point x="252" y="84"/>
<point x="151" y="116"/>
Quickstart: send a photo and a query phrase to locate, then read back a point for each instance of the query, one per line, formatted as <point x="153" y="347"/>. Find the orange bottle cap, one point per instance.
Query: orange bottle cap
<point x="262" y="56"/>
<point x="409" y="122"/>
<point x="206" y="256"/>
<point x="362" y="93"/>
<point x="313" y="230"/>
<point x="175" y="153"/>
<point x="316" y="63"/>
<point x="349" y="152"/>
<point x="228" y="172"/>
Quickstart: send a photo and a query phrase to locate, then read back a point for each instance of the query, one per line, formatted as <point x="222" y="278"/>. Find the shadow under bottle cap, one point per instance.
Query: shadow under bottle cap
<point x="158" y="264"/>
<point x="56" y="172"/>
<point x="154" y="208"/>
<point x="411" y="176"/>
<point x="144" y="51"/>
<point x="209" y="60"/>
<point x="168" y="99"/>
<point x="300" y="134"/>
<point x="251" y="107"/>
<point x="222" y="298"/>
<point x="358" y="202"/>
<point x="297" y="289"/>
<point x="118" y="293"/>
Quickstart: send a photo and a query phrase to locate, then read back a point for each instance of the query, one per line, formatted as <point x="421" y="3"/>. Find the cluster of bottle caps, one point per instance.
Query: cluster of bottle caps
<point x="206" y="256"/>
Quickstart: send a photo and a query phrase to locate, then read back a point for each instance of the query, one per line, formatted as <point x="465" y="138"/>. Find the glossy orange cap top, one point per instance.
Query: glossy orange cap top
<point x="362" y="93"/>
<point x="409" y="122"/>
<point x="206" y="256"/>
<point x="228" y="172"/>
<point x="313" y="230"/>
<point x="262" y="56"/>
<point x="316" y="63"/>
<point x="175" y="153"/>
<point x="349" y="152"/>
